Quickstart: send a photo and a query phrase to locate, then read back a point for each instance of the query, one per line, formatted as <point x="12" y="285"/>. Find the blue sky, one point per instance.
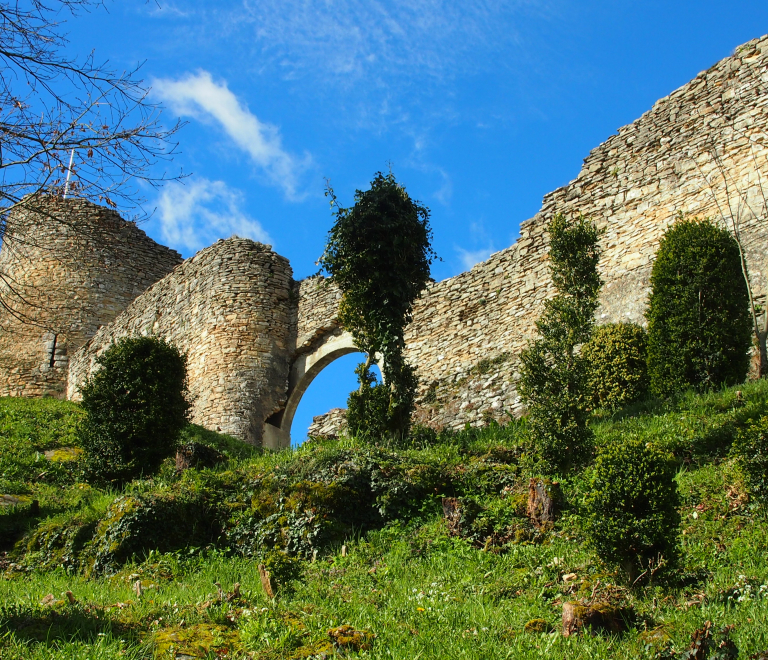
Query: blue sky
<point x="480" y="108"/>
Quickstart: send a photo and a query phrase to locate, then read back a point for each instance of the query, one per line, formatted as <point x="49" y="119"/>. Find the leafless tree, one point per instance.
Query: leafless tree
<point x="69" y="126"/>
<point x="735" y="210"/>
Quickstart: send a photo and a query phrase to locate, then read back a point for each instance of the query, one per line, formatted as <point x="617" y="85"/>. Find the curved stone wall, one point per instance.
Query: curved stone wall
<point x="67" y="267"/>
<point x="230" y="309"/>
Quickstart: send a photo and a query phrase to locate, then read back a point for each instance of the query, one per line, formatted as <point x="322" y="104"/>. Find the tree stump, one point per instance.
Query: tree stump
<point x="194" y="454"/>
<point x="266" y="581"/>
<point x="598" y="617"/>
<point x="543" y="500"/>
<point x="452" y="513"/>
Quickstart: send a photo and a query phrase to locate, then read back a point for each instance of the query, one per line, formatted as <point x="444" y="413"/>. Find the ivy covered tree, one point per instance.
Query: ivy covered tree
<point x="699" y="326"/>
<point x="554" y="381"/>
<point x="379" y="254"/>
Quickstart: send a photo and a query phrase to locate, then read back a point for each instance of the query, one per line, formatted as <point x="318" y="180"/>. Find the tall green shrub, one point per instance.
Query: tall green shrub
<point x="135" y="407"/>
<point x="631" y="507"/>
<point x="699" y="330"/>
<point x="616" y="355"/>
<point x="750" y="448"/>
<point x="553" y="381"/>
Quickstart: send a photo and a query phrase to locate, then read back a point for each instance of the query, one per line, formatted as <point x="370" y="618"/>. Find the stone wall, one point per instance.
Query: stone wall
<point x="230" y="309"/>
<point x="318" y="306"/>
<point x="702" y="150"/>
<point x="328" y="425"/>
<point x="67" y="267"/>
<point x="247" y="326"/>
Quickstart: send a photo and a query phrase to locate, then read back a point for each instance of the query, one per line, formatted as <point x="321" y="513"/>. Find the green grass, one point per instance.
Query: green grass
<point x="29" y="427"/>
<point x="421" y="591"/>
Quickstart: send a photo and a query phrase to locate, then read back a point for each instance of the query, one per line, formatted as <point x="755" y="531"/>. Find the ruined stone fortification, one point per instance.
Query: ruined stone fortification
<point x="256" y="338"/>
<point x="328" y="425"/>
<point x="230" y="309"/>
<point x="67" y="267"/>
<point x="702" y="150"/>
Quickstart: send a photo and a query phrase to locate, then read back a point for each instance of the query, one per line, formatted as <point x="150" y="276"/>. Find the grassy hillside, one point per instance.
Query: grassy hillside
<point x="355" y="536"/>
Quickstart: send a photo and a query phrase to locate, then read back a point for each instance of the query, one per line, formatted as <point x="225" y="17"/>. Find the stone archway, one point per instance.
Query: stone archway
<point x="304" y="369"/>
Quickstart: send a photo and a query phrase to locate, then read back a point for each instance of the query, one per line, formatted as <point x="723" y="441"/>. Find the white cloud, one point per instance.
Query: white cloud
<point x="165" y="10"/>
<point x="445" y="192"/>
<point x="352" y="39"/>
<point x="470" y="258"/>
<point x="194" y="214"/>
<point x="478" y="236"/>
<point x="197" y="95"/>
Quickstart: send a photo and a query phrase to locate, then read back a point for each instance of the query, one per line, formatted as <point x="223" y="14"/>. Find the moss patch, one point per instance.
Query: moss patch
<point x="196" y="641"/>
<point x="61" y="454"/>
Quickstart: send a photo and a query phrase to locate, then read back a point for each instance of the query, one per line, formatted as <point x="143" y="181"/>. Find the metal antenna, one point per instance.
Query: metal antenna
<point x="69" y="173"/>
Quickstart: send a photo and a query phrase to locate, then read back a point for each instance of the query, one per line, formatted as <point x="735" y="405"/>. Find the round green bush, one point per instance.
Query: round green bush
<point x="616" y="355"/>
<point x="135" y="407"/>
<point x="699" y="330"/>
<point x="750" y="448"/>
<point x="631" y="512"/>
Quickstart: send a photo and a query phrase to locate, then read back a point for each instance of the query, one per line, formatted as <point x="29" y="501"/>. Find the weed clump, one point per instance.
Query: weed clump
<point x="57" y="543"/>
<point x="631" y="515"/>
<point x="136" y="524"/>
<point x="750" y="448"/>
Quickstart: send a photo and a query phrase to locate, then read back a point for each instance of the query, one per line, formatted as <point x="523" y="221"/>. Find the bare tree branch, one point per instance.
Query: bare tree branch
<point x="56" y="109"/>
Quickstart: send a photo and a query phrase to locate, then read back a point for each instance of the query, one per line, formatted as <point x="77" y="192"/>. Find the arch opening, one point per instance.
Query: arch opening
<point x="328" y="391"/>
<point x="305" y="368"/>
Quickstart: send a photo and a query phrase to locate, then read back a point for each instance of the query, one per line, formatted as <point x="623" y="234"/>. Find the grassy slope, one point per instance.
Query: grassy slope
<point x="423" y="593"/>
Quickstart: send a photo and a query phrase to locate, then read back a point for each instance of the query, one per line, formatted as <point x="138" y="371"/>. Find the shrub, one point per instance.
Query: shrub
<point x="616" y="355"/>
<point x="631" y="508"/>
<point x="136" y="524"/>
<point x="135" y="408"/>
<point x="296" y="518"/>
<point x="57" y="543"/>
<point x="367" y="407"/>
<point x="750" y="448"/>
<point x="698" y="317"/>
<point x="553" y="375"/>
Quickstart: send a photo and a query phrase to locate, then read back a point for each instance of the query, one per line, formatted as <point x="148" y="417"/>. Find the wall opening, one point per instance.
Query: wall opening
<point x="52" y="360"/>
<point x="329" y="389"/>
<point x="330" y="392"/>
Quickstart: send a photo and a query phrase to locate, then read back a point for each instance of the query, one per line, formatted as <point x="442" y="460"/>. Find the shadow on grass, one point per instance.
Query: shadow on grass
<point x="15" y="521"/>
<point x="231" y="447"/>
<point x="52" y="625"/>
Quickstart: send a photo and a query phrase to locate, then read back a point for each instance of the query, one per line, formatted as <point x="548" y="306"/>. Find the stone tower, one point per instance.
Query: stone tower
<point x="67" y="267"/>
<point x="231" y="309"/>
